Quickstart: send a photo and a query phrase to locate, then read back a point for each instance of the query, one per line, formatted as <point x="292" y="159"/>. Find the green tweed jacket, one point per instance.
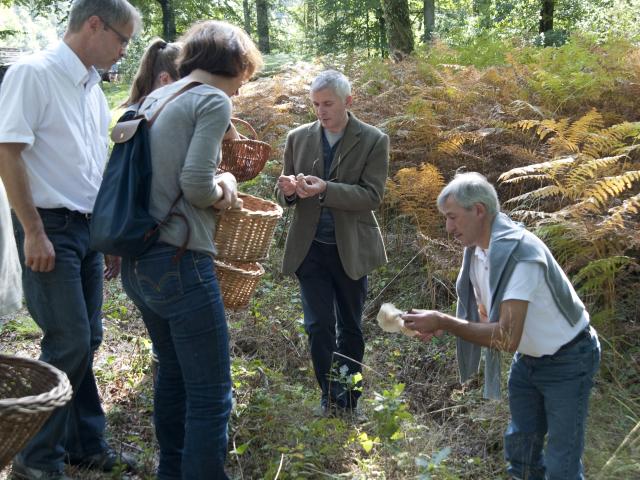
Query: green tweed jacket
<point x="354" y="189"/>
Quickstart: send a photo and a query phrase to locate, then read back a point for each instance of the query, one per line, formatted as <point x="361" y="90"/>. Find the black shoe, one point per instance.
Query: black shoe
<point x="20" y="471"/>
<point x="106" y="461"/>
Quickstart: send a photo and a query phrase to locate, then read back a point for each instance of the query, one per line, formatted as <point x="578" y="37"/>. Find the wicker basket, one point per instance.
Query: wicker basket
<point x="244" y="235"/>
<point x="238" y="281"/>
<point x="244" y="157"/>
<point x="29" y="391"/>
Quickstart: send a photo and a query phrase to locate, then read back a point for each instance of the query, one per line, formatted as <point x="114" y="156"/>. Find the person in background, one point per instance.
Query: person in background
<point x="334" y="174"/>
<point x="513" y="296"/>
<point x="173" y="284"/>
<point x="157" y="68"/>
<point x="53" y="148"/>
<point x="10" y="270"/>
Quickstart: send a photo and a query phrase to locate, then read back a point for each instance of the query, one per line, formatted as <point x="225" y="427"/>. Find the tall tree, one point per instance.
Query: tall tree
<point x="546" y="16"/>
<point x="399" y="32"/>
<point x="482" y="8"/>
<point x="262" y="17"/>
<point x="429" y="9"/>
<point x="168" y="20"/>
<point x="246" y="10"/>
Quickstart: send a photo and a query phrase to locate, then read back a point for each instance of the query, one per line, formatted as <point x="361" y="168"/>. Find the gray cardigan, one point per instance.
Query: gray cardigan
<point x="186" y="140"/>
<point x="510" y="244"/>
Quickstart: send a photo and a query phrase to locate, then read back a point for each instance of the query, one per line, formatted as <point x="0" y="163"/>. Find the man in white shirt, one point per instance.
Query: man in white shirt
<point x="513" y="296"/>
<point x="53" y="148"/>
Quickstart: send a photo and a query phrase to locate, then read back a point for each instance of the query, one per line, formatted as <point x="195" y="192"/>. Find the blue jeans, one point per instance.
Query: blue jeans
<point x="332" y="304"/>
<point x="550" y="396"/>
<point x="182" y="309"/>
<point x="66" y="304"/>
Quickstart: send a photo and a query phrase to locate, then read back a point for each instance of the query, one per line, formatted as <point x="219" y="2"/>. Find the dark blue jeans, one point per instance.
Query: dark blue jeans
<point x="550" y="396"/>
<point x="332" y="304"/>
<point x="66" y="304"/>
<point x="182" y="308"/>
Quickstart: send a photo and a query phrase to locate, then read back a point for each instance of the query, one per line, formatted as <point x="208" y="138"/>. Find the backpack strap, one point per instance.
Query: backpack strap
<point x="122" y="132"/>
<point x="155" y="115"/>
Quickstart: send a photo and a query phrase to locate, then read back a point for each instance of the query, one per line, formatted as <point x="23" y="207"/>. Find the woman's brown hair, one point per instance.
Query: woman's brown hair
<point x="218" y="48"/>
<point x="159" y="57"/>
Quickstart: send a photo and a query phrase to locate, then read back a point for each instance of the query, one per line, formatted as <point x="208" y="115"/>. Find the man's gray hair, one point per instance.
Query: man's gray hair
<point x="468" y="189"/>
<point x="114" y="12"/>
<point x="334" y="80"/>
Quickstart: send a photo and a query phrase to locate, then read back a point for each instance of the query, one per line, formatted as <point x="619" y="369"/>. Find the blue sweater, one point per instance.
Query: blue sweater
<point x="510" y="244"/>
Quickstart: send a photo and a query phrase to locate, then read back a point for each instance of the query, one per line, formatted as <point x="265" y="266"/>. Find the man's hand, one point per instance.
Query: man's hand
<point x="227" y="182"/>
<point x="111" y="267"/>
<point x="425" y="322"/>
<point x="287" y="185"/>
<point x="39" y="254"/>
<point x="310" y="186"/>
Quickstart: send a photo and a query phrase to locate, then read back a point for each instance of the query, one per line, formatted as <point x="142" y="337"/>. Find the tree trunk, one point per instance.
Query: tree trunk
<point x="246" y="10"/>
<point x="429" y="19"/>
<point x="482" y="8"/>
<point x="168" y="20"/>
<point x="399" y="32"/>
<point x="546" y="17"/>
<point x="262" y="14"/>
<point x="382" y="33"/>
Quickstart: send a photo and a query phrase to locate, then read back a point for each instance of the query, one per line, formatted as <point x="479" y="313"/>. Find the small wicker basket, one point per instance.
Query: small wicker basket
<point x="29" y="391"/>
<point x="238" y="281"/>
<point x="244" y="235"/>
<point x="244" y="157"/>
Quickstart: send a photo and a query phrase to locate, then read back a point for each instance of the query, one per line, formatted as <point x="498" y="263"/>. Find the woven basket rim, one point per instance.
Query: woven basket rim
<point x="61" y="389"/>
<point x="276" y="212"/>
<point x="237" y="269"/>
<point x="232" y="141"/>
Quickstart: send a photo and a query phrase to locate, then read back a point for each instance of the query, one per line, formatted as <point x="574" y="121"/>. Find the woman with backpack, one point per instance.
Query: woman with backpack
<point x="173" y="283"/>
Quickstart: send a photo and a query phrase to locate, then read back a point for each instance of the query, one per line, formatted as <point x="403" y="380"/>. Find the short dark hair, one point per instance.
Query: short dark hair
<point x="219" y="48"/>
<point x="114" y="12"/>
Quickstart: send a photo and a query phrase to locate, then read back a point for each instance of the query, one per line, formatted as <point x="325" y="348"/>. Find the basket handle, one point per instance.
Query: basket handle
<point x="246" y="124"/>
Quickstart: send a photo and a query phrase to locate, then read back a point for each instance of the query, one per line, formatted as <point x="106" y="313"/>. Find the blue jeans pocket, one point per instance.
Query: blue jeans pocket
<point x="54" y="222"/>
<point x="159" y="279"/>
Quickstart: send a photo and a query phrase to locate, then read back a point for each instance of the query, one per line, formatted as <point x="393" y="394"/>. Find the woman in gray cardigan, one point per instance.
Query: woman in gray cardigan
<point x="173" y="283"/>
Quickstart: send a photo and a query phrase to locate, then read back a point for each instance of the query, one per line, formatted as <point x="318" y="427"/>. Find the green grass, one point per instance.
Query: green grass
<point x="22" y="327"/>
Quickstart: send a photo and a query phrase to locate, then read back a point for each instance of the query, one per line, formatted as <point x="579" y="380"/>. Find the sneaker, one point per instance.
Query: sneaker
<point x="20" y="471"/>
<point x="106" y="461"/>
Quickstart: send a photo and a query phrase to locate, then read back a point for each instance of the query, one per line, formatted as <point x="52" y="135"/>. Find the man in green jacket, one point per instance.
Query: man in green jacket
<point x="513" y="296"/>
<point x="334" y="174"/>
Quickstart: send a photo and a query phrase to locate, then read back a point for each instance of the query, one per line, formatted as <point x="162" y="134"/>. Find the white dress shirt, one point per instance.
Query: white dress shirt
<point x="52" y="103"/>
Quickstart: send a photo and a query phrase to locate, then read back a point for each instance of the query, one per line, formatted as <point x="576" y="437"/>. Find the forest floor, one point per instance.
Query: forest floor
<point x="418" y="421"/>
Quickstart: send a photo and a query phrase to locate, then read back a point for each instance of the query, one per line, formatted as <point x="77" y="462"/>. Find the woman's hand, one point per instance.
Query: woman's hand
<point x="229" y="186"/>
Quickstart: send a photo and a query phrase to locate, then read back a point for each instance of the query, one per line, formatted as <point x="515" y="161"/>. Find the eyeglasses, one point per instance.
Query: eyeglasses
<point x="124" y="40"/>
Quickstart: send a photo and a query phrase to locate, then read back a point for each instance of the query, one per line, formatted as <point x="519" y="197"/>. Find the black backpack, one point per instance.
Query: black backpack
<point x="120" y="223"/>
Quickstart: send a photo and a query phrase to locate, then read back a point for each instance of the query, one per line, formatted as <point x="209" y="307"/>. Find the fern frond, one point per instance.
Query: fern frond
<point x="593" y="277"/>
<point x="608" y="187"/>
<point x="630" y="207"/>
<point x="588" y="170"/>
<point x="528" y="198"/>
<point x="529" y="215"/>
<point x="452" y="145"/>
<point x="550" y="168"/>
<point x="580" y="129"/>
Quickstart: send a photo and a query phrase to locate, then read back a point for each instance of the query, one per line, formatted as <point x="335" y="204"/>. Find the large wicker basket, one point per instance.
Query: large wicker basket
<point x="244" y="235"/>
<point x="29" y="391"/>
<point x="238" y="281"/>
<point x="244" y="157"/>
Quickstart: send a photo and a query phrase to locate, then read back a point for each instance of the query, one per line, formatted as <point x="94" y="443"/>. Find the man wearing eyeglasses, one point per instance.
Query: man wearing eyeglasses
<point x="334" y="174"/>
<point x="53" y="148"/>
